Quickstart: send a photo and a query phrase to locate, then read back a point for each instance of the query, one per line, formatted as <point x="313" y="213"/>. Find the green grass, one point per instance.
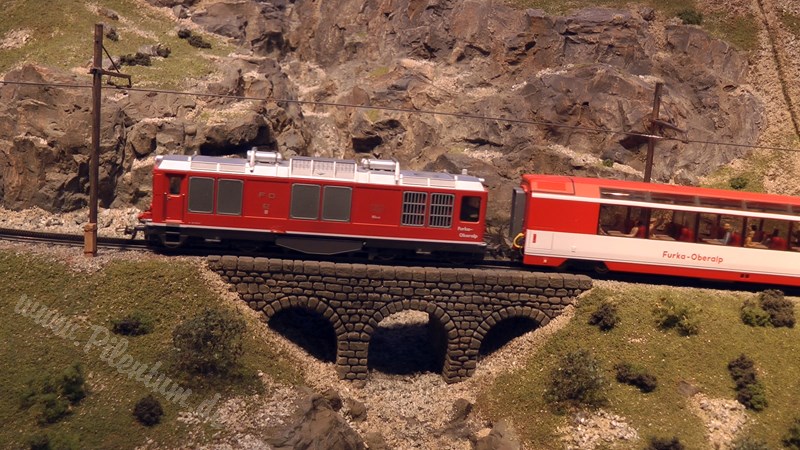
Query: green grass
<point x="166" y="291"/>
<point x="62" y="36"/>
<point x="669" y="8"/>
<point x="753" y="171"/>
<point x="700" y="360"/>
<point x="740" y="31"/>
<point x="791" y="22"/>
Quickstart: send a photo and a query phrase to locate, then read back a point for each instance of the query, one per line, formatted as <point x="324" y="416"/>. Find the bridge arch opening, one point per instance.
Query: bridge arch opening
<point x="307" y="329"/>
<point x="408" y="342"/>
<point x="504" y="332"/>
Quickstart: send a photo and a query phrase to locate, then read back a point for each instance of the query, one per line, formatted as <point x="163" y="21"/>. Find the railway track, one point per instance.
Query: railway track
<point x="76" y="240"/>
<point x="72" y="240"/>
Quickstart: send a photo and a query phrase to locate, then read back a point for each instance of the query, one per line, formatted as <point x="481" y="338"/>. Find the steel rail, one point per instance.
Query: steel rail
<point x="71" y="240"/>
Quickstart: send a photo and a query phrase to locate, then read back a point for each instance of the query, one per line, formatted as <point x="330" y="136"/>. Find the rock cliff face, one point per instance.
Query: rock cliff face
<point x="594" y="69"/>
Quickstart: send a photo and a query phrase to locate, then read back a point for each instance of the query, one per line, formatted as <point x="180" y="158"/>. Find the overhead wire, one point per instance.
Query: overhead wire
<point x="409" y="111"/>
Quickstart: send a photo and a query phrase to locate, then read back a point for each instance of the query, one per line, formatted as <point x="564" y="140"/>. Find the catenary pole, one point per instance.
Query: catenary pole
<point x="90" y="230"/>
<point x="97" y="71"/>
<point x="651" y="141"/>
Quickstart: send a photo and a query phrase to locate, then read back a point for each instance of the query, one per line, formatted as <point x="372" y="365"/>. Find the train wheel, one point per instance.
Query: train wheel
<point x="383" y="256"/>
<point x="600" y="268"/>
<point x="172" y="242"/>
<point x="248" y="246"/>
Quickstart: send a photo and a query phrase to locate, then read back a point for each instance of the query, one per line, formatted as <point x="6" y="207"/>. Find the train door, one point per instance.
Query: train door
<point x="174" y="198"/>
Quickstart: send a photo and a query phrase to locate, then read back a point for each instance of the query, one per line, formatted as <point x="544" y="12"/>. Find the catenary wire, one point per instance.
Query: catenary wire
<point x="407" y="110"/>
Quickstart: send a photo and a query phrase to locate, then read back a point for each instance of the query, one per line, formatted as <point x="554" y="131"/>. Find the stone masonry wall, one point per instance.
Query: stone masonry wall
<point x="354" y="298"/>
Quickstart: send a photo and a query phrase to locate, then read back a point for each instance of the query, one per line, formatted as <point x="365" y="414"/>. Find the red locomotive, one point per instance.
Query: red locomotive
<point x="658" y="229"/>
<point x="319" y="206"/>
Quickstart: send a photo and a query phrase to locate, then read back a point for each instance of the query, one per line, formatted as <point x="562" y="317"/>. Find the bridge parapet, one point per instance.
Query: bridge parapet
<point x="465" y="303"/>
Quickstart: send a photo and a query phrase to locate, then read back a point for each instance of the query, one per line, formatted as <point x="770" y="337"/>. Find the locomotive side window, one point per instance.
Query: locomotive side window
<point x="441" y="215"/>
<point x="175" y="184"/>
<point x="470" y="209"/>
<point x="414" y="204"/>
<point x="229" y="197"/>
<point x="305" y="201"/>
<point x="336" y="202"/>
<point x="201" y="195"/>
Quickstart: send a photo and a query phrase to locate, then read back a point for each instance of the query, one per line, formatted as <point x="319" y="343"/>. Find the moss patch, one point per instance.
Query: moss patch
<point x="62" y="34"/>
<point x="699" y="360"/>
<point x="166" y="291"/>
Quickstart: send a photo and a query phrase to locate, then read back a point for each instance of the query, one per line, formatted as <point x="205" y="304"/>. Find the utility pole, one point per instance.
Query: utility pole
<point x="90" y="229"/>
<point x="655" y="127"/>
<point x="651" y="141"/>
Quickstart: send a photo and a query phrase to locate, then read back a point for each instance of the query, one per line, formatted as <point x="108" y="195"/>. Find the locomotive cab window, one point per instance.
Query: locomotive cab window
<point x="470" y="209"/>
<point x="336" y="203"/>
<point x="305" y="201"/>
<point x="174" y="184"/>
<point x="201" y="195"/>
<point x="229" y="197"/>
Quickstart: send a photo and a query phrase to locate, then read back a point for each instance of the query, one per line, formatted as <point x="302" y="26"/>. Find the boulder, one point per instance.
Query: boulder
<point x="258" y="26"/>
<point x="502" y="437"/>
<point x="315" y="425"/>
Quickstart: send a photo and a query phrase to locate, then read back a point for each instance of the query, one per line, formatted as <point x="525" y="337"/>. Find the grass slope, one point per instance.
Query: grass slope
<point x="741" y="31"/>
<point x="62" y="34"/>
<point x="700" y="360"/>
<point x="166" y="291"/>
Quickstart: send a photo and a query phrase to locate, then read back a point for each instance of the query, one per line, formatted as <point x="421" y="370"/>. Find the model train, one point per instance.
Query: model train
<point x="328" y="206"/>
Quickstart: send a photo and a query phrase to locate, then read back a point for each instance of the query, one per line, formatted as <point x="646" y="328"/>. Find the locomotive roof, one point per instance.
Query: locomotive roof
<point x="386" y="173"/>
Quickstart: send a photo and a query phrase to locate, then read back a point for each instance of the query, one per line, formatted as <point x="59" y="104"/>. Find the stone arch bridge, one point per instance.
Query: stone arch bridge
<point x="354" y="298"/>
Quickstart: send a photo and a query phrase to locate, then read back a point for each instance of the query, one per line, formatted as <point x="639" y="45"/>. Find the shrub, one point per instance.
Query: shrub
<point x="752" y="314"/>
<point x="184" y="33"/>
<point x="738" y="183"/>
<point x="54" y="408"/>
<point x="608" y="162"/>
<point x="792" y="439"/>
<point x="578" y="380"/>
<point x="148" y="411"/>
<point x="690" y="16"/>
<point x="780" y="310"/>
<point x="752" y="396"/>
<point x="748" y="443"/>
<point x="635" y="376"/>
<point x="73" y="385"/>
<point x="138" y="59"/>
<point x="198" y="41"/>
<point x="665" y="444"/>
<point x="605" y="316"/>
<point x="57" y="442"/>
<point x="134" y="324"/>
<point x="209" y="343"/>
<point x="54" y="394"/>
<point x="680" y="316"/>
<point x="742" y="370"/>
<point x="28" y="396"/>
<point x="749" y="391"/>
<point x="39" y="442"/>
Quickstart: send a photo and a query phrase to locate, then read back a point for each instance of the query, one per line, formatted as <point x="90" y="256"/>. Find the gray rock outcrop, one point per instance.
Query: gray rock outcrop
<point x="315" y="425"/>
<point x="555" y="80"/>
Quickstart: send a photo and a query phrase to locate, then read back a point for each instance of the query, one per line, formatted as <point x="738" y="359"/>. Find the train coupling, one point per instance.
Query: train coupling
<point x="133" y="230"/>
